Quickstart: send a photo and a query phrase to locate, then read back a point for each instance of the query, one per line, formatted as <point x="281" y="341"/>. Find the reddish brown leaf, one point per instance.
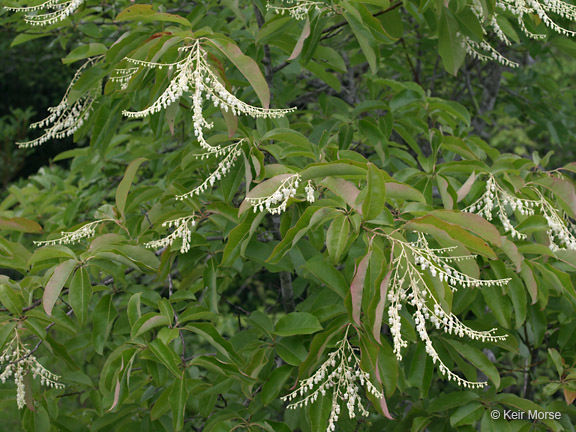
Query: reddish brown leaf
<point x="357" y="286"/>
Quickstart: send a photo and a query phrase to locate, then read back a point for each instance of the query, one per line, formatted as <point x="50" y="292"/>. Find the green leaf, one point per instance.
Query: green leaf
<point x="166" y="356"/>
<point x="103" y="319"/>
<point x="450" y="45"/>
<point x="375" y="199"/>
<point x="472" y="222"/>
<point x="444" y="402"/>
<point x="56" y="283"/>
<point x="274" y="384"/>
<point x="209" y="332"/>
<point x="126" y="183"/>
<point x="178" y="399"/>
<point x="248" y="67"/>
<point x="477" y="358"/>
<point x="147" y="322"/>
<point x="297" y="323"/>
<point x="557" y="361"/>
<point x="6" y="329"/>
<point x="342" y="169"/>
<point x="80" y="294"/>
<point x="142" y="12"/>
<point x="529" y="281"/>
<point x="20" y="224"/>
<point x="84" y="51"/>
<point x="327" y="274"/>
<point x="11" y="299"/>
<point x="437" y="227"/>
<point x="363" y="36"/>
<point x="337" y="236"/>
<point x="163" y="403"/>
<point x="403" y="192"/>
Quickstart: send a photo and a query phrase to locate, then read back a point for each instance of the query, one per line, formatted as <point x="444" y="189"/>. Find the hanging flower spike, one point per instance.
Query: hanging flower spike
<point x="60" y="11"/>
<point x="277" y="202"/>
<point x="194" y="74"/>
<point x="496" y="198"/>
<point x="408" y="286"/>
<point x="340" y="373"/>
<point x="300" y="8"/>
<point x="181" y="230"/>
<point x="65" y="118"/>
<point x="19" y="362"/>
<point x="231" y="153"/>
<point x="123" y="76"/>
<point x="309" y="189"/>
<point x="69" y="237"/>
<point x="519" y="9"/>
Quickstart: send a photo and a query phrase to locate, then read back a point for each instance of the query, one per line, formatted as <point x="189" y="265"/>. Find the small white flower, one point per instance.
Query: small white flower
<point x="407" y="284"/>
<point x="341" y="380"/>
<point x="52" y="11"/>
<point x="65" y="118"/>
<point x="276" y="202"/>
<point x="181" y="230"/>
<point x="69" y="237"/>
<point x="194" y="74"/>
<point x="19" y="361"/>
<point x="299" y="9"/>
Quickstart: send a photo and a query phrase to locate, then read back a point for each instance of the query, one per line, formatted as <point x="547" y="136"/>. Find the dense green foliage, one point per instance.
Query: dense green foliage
<point x="419" y="222"/>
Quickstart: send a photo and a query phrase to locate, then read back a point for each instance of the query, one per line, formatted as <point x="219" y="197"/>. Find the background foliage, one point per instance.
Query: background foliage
<point x="396" y="127"/>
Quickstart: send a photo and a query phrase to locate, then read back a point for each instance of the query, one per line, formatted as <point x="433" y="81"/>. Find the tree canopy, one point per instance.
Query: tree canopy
<point x="287" y="215"/>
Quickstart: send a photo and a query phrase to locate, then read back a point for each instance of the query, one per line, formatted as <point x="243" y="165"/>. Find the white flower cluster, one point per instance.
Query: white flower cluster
<point x="181" y="230"/>
<point x="298" y="9"/>
<point x="409" y="286"/>
<point x="123" y="76"/>
<point x="230" y="153"/>
<point x="66" y="118"/>
<point x="20" y="362"/>
<point x="52" y="11"/>
<point x="194" y="74"/>
<point x="341" y="374"/>
<point x="496" y="198"/>
<point x="309" y="189"/>
<point x="277" y="202"/>
<point x="519" y="9"/>
<point x="485" y="52"/>
<point x="69" y="237"/>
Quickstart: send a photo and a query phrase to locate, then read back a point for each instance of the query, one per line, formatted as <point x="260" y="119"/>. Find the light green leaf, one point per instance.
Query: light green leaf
<point x="248" y="67"/>
<point x="337" y="237"/>
<point x="142" y="12"/>
<point x="126" y="183"/>
<point x="166" y="356"/>
<point x="376" y="195"/>
<point x="56" y="283"/>
<point x="297" y="323"/>
<point x="80" y="294"/>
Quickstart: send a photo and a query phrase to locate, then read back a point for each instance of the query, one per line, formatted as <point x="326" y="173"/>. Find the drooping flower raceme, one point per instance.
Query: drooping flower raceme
<point x="49" y="12"/>
<point x="409" y="286"/>
<point x="520" y="9"/>
<point x="230" y="154"/>
<point x="20" y="361"/>
<point x="495" y="198"/>
<point x="193" y="74"/>
<point x="340" y="374"/>
<point x="69" y="237"/>
<point x="66" y="118"/>
<point x="276" y="202"/>
<point x="297" y="9"/>
<point x="181" y="230"/>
